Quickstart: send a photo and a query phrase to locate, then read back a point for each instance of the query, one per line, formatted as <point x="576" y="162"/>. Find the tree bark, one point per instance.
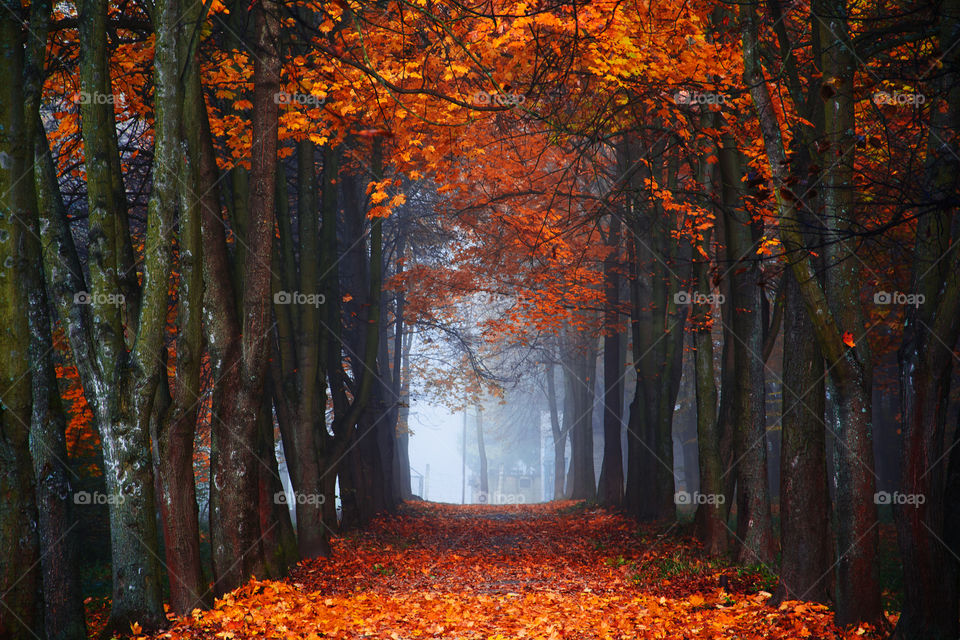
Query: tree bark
<point x="175" y="431"/>
<point x="580" y="380"/>
<point x="482" y="453"/>
<point x="804" y="495"/>
<point x="20" y="613"/>
<point x="754" y="522"/>
<point x="63" y="612"/>
<point x="928" y="547"/>
<point x="611" y="472"/>
<point x="858" y="592"/>
<point x="234" y="519"/>
<point x="559" y="435"/>
<point x="121" y="384"/>
<point x="710" y="518"/>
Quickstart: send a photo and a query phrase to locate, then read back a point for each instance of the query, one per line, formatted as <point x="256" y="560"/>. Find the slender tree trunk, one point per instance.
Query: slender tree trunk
<point x="858" y="588"/>
<point x="836" y="311"/>
<point x="482" y="453"/>
<point x="234" y="521"/>
<point x="175" y="437"/>
<point x="63" y="612"/>
<point x="121" y="385"/>
<point x="20" y="575"/>
<point x="611" y="473"/>
<point x="401" y="363"/>
<point x="559" y="435"/>
<point x="637" y="447"/>
<point x="928" y="547"/>
<point x="754" y="522"/>
<point x="297" y="368"/>
<point x="804" y="495"/>
<point x="276" y="530"/>
<point x="580" y="387"/>
<point x="711" y="515"/>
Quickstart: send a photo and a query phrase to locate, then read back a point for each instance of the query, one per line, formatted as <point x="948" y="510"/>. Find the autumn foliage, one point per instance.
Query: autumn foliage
<point x="558" y="570"/>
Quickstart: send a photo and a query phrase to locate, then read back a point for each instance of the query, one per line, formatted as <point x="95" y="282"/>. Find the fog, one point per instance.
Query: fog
<point x="435" y="442"/>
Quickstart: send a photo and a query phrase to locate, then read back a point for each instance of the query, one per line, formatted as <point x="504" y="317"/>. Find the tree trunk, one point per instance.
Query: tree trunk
<point x="121" y="385"/>
<point x="234" y="520"/>
<point x="804" y="495"/>
<point x="836" y="311"/>
<point x="611" y="473"/>
<point x="401" y="459"/>
<point x="559" y="435"/>
<point x="637" y="446"/>
<point x="580" y="387"/>
<point x="276" y="530"/>
<point x="175" y="437"/>
<point x="20" y="575"/>
<point x="928" y="547"/>
<point x="482" y="453"/>
<point x="710" y="519"/>
<point x="63" y="612"/>
<point x="754" y="522"/>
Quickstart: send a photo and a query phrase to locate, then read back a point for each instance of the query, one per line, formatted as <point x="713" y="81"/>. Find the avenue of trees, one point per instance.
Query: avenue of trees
<point x="229" y="228"/>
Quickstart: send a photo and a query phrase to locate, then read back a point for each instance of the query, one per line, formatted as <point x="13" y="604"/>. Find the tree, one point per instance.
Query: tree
<point x="63" y="612"/>
<point x="234" y="518"/>
<point x="835" y="312"/>
<point x="20" y="576"/>
<point x="927" y="534"/>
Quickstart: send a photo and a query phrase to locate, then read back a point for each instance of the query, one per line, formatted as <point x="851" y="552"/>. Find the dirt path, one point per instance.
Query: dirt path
<point x="540" y="571"/>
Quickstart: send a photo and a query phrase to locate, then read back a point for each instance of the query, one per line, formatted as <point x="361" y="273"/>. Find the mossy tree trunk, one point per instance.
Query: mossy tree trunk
<point x="20" y="575"/>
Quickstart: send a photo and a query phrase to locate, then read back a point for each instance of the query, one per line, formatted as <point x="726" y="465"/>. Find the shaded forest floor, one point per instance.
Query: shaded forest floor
<point x="559" y="570"/>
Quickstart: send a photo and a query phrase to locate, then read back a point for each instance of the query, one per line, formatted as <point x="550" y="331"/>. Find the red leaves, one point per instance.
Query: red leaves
<point x="489" y="573"/>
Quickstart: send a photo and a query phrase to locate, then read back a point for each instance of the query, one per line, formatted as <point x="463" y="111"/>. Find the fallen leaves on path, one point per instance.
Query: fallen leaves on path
<point x="550" y="571"/>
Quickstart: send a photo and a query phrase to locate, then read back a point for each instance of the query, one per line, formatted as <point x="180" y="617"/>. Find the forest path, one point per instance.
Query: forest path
<point x="557" y="570"/>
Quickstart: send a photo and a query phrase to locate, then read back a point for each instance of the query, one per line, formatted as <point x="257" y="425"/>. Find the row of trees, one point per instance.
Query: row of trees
<point x="247" y="294"/>
<point x="608" y="181"/>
